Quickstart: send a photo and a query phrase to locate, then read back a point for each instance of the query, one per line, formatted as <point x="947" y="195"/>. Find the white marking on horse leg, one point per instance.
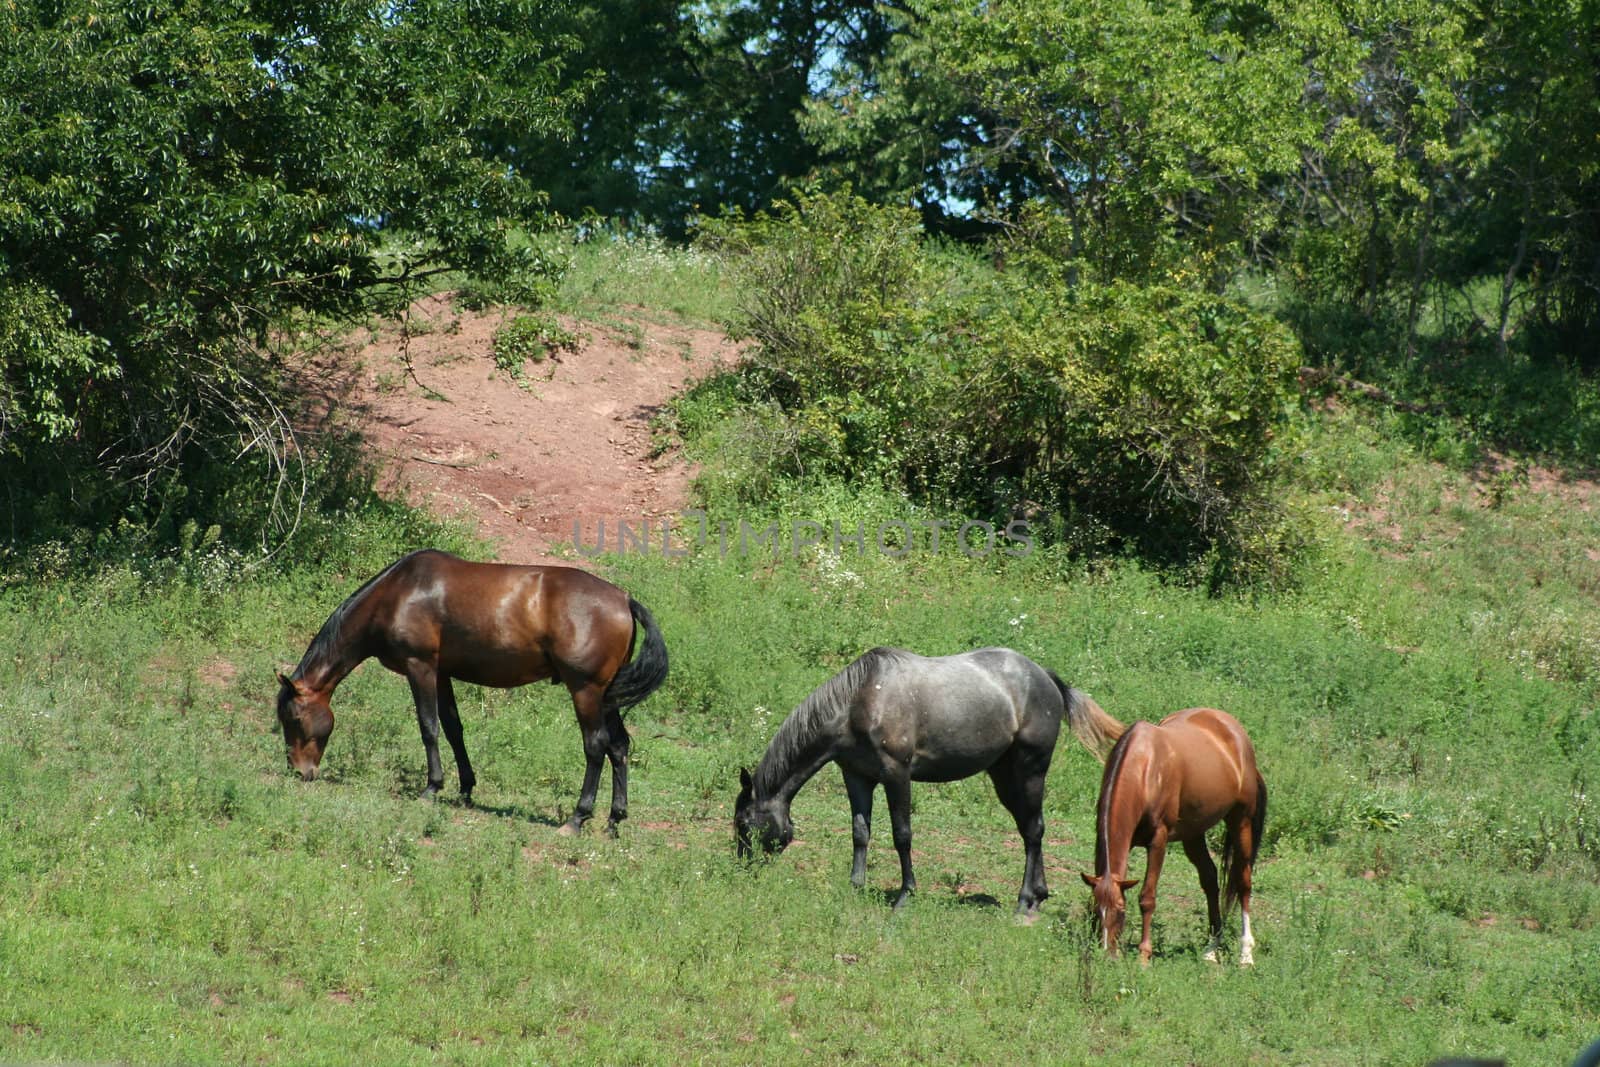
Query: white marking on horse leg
<point x="1211" y="951"/>
<point x="1247" y="944"/>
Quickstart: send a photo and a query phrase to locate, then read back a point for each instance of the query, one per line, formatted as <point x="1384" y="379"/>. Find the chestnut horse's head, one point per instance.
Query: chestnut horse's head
<point x="1110" y="907"/>
<point x="307" y="721"/>
<point x="765" y="823"/>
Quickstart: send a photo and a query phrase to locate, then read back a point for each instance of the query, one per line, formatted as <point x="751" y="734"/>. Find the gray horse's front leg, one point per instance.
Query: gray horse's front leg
<point x="859" y="790"/>
<point x="899" y="796"/>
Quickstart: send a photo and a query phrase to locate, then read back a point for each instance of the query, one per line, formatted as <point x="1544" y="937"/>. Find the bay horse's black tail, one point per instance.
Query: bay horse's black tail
<point x="643" y="676"/>
<point x="1088" y="723"/>
<point x="1234" y="859"/>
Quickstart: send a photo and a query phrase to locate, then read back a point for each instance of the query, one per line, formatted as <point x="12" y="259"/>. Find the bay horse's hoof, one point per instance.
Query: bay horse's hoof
<point x="570" y="828"/>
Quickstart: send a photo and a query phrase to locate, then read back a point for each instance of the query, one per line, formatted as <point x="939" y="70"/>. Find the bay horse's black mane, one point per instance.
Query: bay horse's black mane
<point x="325" y="645"/>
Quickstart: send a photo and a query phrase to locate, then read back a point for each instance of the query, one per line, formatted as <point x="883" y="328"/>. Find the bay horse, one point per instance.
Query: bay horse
<point x="1173" y="781"/>
<point x="436" y="618"/>
<point x="894" y="717"/>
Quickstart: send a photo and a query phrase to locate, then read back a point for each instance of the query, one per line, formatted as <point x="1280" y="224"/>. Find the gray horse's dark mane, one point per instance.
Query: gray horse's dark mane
<point x="819" y="714"/>
<point x="325" y="644"/>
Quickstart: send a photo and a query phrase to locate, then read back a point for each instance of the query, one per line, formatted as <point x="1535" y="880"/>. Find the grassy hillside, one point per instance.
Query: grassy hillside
<point x="1424" y="706"/>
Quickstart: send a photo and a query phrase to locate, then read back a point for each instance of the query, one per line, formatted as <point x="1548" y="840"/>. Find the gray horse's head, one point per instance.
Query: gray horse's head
<point x="759" y="822"/>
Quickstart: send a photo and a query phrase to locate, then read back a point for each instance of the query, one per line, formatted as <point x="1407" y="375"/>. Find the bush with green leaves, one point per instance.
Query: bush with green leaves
<point x="530" y="338"/>
<point x="1143" y="416"/>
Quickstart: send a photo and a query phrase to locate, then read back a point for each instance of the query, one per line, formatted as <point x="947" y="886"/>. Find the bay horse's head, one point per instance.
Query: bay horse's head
<point x="1110" y="906"/>
<point x="763" y="822"/>
<point x="307" y="721"/>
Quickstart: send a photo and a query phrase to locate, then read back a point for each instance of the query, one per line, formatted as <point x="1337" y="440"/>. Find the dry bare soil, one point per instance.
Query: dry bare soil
<point x="525" y="460"/>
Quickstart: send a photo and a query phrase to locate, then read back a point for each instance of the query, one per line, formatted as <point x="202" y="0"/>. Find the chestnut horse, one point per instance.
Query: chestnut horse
<point x="436" y="618"/>
<point x="895" y="717"/>
<point x="1173" y="782"/>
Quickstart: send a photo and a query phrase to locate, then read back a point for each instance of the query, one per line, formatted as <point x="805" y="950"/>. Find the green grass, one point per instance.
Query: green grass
<point x="642" y="277"/>
<point x="1424" y="708"/>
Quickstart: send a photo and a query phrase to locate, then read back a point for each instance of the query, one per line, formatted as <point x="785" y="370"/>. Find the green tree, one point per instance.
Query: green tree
<point x="1149" y="127"/>
<point x="180" y="181"/>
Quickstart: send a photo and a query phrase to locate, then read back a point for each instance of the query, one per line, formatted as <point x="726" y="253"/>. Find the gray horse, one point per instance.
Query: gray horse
<point x="896" y="717"/>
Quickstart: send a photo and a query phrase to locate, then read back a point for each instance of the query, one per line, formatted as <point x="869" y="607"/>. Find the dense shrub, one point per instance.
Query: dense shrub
<point x="1140" y="417"/>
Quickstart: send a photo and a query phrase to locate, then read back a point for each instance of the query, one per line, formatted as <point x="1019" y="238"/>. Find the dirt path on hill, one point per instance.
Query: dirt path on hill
<point x="525" y="462"/>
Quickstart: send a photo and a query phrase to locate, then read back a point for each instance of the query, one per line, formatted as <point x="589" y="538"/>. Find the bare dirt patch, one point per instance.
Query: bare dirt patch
<point x="526" y="461"/>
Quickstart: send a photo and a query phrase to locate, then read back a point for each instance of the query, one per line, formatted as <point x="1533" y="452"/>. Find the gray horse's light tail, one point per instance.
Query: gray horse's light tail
<point x="643" y="676"/>
<point x="1088" y="723"/>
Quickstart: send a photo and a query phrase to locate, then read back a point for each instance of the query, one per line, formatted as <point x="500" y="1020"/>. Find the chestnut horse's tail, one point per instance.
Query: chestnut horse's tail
<point x="643" y="676"/>
<point x="1090" y="725"/>
<point x="1235" y="861"/>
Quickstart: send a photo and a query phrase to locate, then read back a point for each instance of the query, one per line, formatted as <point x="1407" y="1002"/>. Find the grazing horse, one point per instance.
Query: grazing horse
<point x="894" y="717"/>
<point x="435" y="618"/>
<point x="1173" y="782"/>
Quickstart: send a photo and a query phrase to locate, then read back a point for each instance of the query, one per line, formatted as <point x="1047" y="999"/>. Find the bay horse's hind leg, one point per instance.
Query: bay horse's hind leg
<point x="450" y="719"/>
<point x="617" y="747"/>
<point x="1021" y="790"/>
<point x="1199" y="855"/>
<point x="588" y="703"/>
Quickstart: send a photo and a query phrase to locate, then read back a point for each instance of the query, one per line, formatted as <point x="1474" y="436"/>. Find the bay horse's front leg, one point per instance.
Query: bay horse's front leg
<point x="450" y="719"/>
<point x="899" y="796"/>
<point x="587" y="702"/>
<point x="425" y="694"/>
<point x="859" y="790"/>
<point x="1155" y="854"/>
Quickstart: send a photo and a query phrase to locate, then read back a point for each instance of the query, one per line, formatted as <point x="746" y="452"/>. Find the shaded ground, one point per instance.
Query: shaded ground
<point x="526" y="461"/>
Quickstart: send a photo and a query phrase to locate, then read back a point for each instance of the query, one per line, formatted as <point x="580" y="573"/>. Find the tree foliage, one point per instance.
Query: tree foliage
<point x="1411" y="186"/>
<point x="182" y="180"/>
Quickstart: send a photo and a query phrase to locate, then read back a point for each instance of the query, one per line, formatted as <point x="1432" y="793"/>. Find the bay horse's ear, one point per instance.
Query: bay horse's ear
<point x="747" y="787"/>
<point x="1127" y="884"/>
<point x="1088" y="879"/>
<point x="285" y="682"/>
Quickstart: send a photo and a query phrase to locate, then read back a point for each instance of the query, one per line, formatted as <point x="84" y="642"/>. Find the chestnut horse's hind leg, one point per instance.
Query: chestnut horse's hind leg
<point x="450" y="719"/>
<point x="1239" y="874"/>
<point x="1200" y="856"/>
<point x="587" y="702"/>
